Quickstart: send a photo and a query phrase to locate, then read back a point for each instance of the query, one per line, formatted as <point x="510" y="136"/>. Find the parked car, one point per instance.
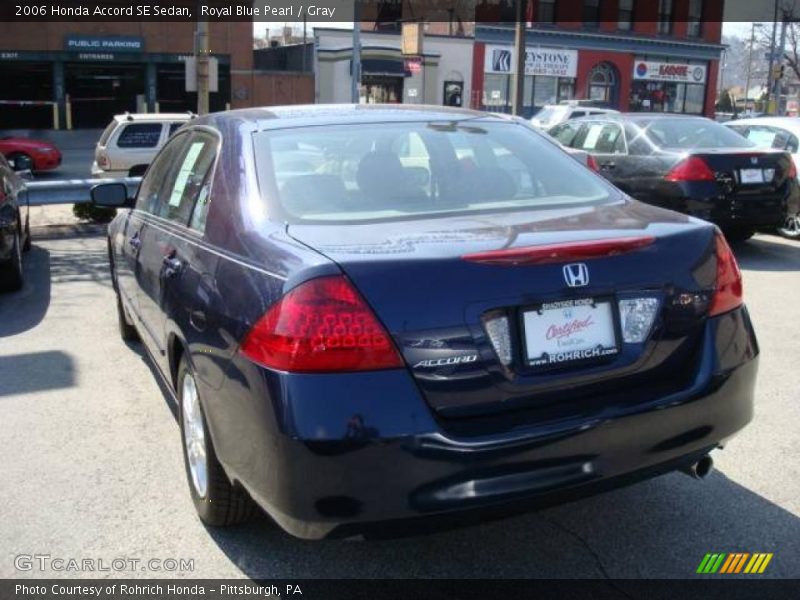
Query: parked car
<point x="351" y="344"/>
<point x="15" y="227"/>
<point x="692" y="165"/>
<point x="552" y="114"/>
<point x="26" y="154"/>
<point x="130" y="142"/>
<point x="586" y="159"/>
<point x="778" y="133"/>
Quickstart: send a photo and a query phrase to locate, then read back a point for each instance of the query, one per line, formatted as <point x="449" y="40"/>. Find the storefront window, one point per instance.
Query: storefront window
<point x="495" y="90"/>
<point x="666" y="96"/>
<point x="545" y="91"/>
<point x="538" y="90"/>
<point x="695" y="95"/>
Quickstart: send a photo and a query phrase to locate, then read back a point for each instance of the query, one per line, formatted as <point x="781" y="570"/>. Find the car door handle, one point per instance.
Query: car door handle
<point x="609" y="165"/>
<point x="197" y="319"/>
<point x="172" y="266"/>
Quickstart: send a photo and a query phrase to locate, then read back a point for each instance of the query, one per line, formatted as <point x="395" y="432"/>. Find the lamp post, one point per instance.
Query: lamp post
<point x="753" y="28"/>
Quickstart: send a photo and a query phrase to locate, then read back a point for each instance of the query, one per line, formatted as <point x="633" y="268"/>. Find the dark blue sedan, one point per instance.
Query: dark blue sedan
<point x="372" y="314"/>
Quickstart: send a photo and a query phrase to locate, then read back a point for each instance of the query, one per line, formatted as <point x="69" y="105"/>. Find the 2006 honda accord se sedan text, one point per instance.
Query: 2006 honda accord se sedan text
<point x="377" y="316"/>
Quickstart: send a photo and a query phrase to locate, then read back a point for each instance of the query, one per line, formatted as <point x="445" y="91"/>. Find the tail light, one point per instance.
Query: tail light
<point x="591" y="162"/>
<point x="102" y="160"/>
<point x="560" y="252"/>
<point x="728" y="292"/>
<point x="690" y="169"/>
<point x="791" y="172"/>
<point x="321" y="326"/>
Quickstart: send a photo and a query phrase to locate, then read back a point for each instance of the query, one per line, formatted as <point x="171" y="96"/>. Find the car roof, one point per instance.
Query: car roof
<point x="788" y="122"/>
<point x="637" y="117"/>
<point x="131" y="117"/>
<point x="277" y="117"/>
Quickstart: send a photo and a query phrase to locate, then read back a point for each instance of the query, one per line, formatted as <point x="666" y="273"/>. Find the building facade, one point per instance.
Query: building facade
<point x="78" y="75"/>
<point x="442" y="75"/>
<point x="655" y="56"/>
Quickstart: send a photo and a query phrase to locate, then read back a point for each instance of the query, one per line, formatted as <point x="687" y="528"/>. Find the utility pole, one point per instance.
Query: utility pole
<point x="202" y="55"/>
<point x="770" y="79"/>
<point x="780" y="105"/>
<point x="355" y="76"/>
<point x="750" y="61"/>
<point x="519" y="52"/>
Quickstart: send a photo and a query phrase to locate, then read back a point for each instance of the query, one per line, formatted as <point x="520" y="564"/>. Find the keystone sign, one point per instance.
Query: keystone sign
<point x="658" y="71"/>
<point x="538" y="61"/>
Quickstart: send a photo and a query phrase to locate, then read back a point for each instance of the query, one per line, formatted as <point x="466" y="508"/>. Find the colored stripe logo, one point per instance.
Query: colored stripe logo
<point x="736" y="562"/>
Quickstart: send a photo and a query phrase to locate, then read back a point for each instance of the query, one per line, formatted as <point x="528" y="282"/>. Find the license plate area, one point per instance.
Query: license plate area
<point x="755" y="176"/>
<point x="569" y="333"/>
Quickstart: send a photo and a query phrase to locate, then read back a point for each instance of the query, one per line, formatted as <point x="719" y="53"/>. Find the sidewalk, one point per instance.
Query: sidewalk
<point x="57" y="221"/>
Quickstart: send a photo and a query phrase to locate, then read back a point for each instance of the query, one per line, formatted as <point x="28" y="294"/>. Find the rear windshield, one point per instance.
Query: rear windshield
<point x="357" y="173"/>
<point x="107" y="133"/>
<point x="685" y="134"/>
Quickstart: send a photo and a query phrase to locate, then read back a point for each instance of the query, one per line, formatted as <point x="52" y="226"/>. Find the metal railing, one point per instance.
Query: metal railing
<point x="71" y="191"/>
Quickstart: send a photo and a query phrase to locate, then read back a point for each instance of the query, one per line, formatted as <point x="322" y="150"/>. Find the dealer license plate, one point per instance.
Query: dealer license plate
<point x="570" y="331"/>
<point x="751" y="175"/>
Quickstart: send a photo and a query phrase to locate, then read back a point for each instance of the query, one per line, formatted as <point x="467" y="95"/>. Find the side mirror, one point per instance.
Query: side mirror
<point x="110" y="195"/>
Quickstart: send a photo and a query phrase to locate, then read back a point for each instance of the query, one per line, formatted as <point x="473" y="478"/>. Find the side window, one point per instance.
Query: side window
<point x="601" y="138"/>
<point x="140" y="135"/>
<point x="155" y="180"/>
<point x="173" y="127"/>
<point x="189" y="178"/>
<point x="577" y="113"/>
<point x="565" y="133"/>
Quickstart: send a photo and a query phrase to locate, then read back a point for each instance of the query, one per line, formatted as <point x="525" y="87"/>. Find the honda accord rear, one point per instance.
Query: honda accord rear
<point x="428" y="314"/>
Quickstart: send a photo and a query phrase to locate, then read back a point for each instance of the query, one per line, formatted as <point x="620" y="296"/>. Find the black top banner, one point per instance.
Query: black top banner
<point x="322" y="11"/>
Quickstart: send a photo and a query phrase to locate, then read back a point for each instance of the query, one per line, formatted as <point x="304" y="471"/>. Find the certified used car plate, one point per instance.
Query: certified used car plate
<point x="569" y="331"/>
<point x="751" y="175"/>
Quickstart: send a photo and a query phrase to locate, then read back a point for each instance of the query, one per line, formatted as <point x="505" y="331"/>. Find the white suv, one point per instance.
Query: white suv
<point x="131" y="141"/>
<point x="553" y="114"/>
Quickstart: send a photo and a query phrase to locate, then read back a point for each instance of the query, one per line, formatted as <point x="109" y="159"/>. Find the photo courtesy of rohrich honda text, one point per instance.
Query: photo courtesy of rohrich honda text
<point x="470" y="296"/>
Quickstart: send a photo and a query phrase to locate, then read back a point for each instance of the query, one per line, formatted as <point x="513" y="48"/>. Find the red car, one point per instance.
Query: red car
<point x="35" y="155"/>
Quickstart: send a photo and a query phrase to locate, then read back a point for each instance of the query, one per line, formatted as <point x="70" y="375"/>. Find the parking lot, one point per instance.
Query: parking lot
<point x="92" y="463"/>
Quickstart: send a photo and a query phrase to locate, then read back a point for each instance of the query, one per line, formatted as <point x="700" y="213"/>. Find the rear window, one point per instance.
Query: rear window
<point x="366" y="173"/>
<point x="107" y="133"/>
<point x="140" y="135"/>
<point x="685" y="134"/>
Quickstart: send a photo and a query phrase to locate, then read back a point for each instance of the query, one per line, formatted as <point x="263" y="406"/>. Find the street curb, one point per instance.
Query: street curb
<point x="52" y="232"/>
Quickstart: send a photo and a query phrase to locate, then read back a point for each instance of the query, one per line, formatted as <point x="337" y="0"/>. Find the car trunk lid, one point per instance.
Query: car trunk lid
<point x="478" y="304"/>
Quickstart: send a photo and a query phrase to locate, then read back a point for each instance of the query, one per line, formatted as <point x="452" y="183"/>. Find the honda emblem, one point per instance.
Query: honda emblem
<point x="576" y="275"/>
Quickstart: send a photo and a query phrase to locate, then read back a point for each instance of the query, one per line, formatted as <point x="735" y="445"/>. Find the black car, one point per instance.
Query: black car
<point x="372" y="313"/>
<point x="692" y="165"/>
<point x="15" y="230"/>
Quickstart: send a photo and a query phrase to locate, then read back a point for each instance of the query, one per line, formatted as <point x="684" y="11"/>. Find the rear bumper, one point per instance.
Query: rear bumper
<point x="47" y="162"/>
<point x="751" y="211"/>
<point x="328" y="455"/>
<point x="99" y="173"/>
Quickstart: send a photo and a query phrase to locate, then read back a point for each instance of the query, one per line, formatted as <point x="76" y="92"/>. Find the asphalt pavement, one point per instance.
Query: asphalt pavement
<point x="92" y="463"/>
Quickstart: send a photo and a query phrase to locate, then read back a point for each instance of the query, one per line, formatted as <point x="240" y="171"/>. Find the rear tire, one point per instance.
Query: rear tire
<point x="217" y="502"/>
<point x="11" y="278"/>
<point x="791" y="228"/>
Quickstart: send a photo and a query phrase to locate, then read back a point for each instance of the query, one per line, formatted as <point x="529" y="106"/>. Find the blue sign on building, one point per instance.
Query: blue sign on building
<point x="105" y="43"/>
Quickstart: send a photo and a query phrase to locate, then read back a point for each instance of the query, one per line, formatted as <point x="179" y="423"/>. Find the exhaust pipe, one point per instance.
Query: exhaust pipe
<point x="701" y="469"/>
